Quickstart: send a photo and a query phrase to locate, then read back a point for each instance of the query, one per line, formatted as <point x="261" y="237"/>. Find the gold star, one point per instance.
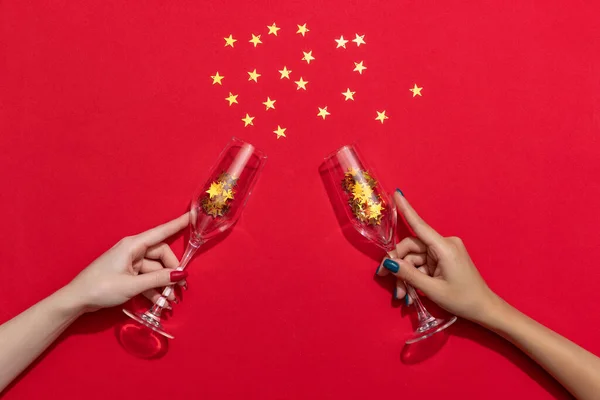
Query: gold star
<point x="341" y="42"/>
<point x="214" y="189"/>
<point x="349" y="95"/>
<point x="229" y="41"/>
<point x="353" y="171"/>
<point x="359" y="67"/>
<point x="279" y="132"/>
<point x="217" y="78"/>
<point x="301" y="84"/>
<point x="357" y="192"/>
<point x="285" y="73"/>
<point x="307" y="57"/>
<point x="359" y="40"/>
<point x="255" y="40"/>
<point x="323" y="112"/>
<point x="253" y="76"/>
<point x="232" y="98"/>
<point x="247" y="120"/>
<point x="375" y="210"/>
<point x="416" y="90"/>
<point x="381" y="116"/>
<point x="273" y="29"/>
<point x="302" y="29"/>
<point x="269" y="103"/>
<point x="228" y="194"/>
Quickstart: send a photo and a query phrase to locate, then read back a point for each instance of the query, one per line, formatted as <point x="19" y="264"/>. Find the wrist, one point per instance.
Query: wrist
<point x="498" y="312"/>
<point x="68" y="302"/>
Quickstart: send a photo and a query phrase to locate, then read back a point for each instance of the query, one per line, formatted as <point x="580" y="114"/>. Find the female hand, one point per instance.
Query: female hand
<point x="136" y="264"/>
<point x="445" y="271"/>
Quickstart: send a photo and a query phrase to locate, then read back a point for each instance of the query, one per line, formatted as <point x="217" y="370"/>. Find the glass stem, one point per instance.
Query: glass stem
<point x="158" y="306"/>
<point x="422" y="312"/>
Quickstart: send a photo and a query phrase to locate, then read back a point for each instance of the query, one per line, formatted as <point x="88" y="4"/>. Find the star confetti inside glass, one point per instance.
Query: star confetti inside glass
<point x="371" y="212"/>
<point x="215" y="208"/>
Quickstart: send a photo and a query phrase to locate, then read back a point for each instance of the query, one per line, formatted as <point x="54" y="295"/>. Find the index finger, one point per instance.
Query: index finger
<point x="161" y="232"/>
<point x="423" y="231"/>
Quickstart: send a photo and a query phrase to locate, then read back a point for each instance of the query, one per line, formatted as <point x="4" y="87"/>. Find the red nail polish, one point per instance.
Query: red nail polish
<point x="178" y="275"/>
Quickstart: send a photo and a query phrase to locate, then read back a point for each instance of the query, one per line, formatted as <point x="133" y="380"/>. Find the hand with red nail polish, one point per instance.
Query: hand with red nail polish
<point x="137" y="264"/>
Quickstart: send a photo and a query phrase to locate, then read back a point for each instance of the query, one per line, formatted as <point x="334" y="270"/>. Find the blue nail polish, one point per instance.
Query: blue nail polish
<point x="406" y="299"/>
<point x="396" y="293"/>
<point x="391" y="265"/>
<point x="400" y="191"/>
<point x="377" y="271"/>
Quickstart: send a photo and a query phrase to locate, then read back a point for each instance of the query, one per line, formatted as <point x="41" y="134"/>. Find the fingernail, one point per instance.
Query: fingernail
<point x="185" y="286"/>
<point x="396" y="294"/>
<point x="406" y="299"/>
<point x="377" y="271"/>
<point x="169" y="308"/>
<point x="176" y="301"/>
<point x="178" y="275"/>
<point x="400" y="191"/>
<point x="391" y="265"/>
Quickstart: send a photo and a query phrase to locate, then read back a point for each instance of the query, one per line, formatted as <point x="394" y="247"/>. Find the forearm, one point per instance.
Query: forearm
<point x="575" y="368"/>
<point x="28" y="334"/>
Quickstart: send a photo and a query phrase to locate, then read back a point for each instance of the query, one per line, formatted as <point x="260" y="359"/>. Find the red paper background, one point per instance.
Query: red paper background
<point x="108" y="121"/>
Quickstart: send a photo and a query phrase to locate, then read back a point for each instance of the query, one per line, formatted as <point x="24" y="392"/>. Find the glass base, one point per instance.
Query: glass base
<point x="149" y="321"/>
<point x="430" y="328"/>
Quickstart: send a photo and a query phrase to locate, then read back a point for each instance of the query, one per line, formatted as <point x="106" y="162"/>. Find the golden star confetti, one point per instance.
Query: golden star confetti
<point x="255" y="40"/>
<point x="302" y="29"/>
<point x="229" y="41"/>
<point x="247" y="120"/>
<point x="341" y="42"/>
<point x="232" y="98"/>
<point x="359" y="67"/>
<point x="323" y="112"/>
<point x="269" y="103"/>
<point x="253" y="76"/>
<point x="280" y="132"/>
<point x="359" y="40"/>
<point x="348" y="94"/>
<point x="217" y="78"/>
<point x="364" y="202"/>
<point x="220" y="192"/>
<point x="307" y="57"/>
<point x="381" y="116"/>
<point x="416" y="90"/>
<point x="285" y="73"/>
<point x="301" y="84"/>
<point x="273" y="29"/>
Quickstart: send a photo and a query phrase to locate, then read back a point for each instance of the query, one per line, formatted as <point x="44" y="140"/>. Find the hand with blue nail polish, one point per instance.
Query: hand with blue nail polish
<point x="443" y="270"/>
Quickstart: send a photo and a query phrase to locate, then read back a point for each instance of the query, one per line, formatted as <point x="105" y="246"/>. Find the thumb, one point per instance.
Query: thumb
<point x="160" y="278"/>
<point x="409" y="274"/>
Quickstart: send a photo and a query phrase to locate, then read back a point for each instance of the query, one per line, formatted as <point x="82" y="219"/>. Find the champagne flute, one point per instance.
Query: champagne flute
<point x="371" y="213"/>
<point x="215" y="207"/>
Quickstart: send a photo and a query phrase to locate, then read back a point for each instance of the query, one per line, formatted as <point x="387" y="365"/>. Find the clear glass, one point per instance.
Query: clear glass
<point x="371" y="212"/>
<point x="215" y="207"/>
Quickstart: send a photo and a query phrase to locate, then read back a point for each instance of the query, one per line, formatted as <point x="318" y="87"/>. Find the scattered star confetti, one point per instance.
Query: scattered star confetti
<point x="247" y="120"/>
<point x="341" y="42"/>
<point x="269" y="103"/>
<point x="229" y="41"/>
<point x="359" y="40"/>
<point x="302" y="29"/>
<point x="416" y="91"/>
<point x="273" y="29"/>
<point x="359" y="67"/>
<point x="349" y="95"/>
<point x="232" y="98"/>
<point x="255" y="40"/>
<point x="219" y="193"/>
<point x="323" y="112"/>
<point x="217" y="78"/>
<point x="301" y="84"/>
<point x="307" y="57"/>
<point x="381" y="116"/>
<point x="279" y="132"/>
<point x="285" y="73"/>
<point x="253" y="76"/>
